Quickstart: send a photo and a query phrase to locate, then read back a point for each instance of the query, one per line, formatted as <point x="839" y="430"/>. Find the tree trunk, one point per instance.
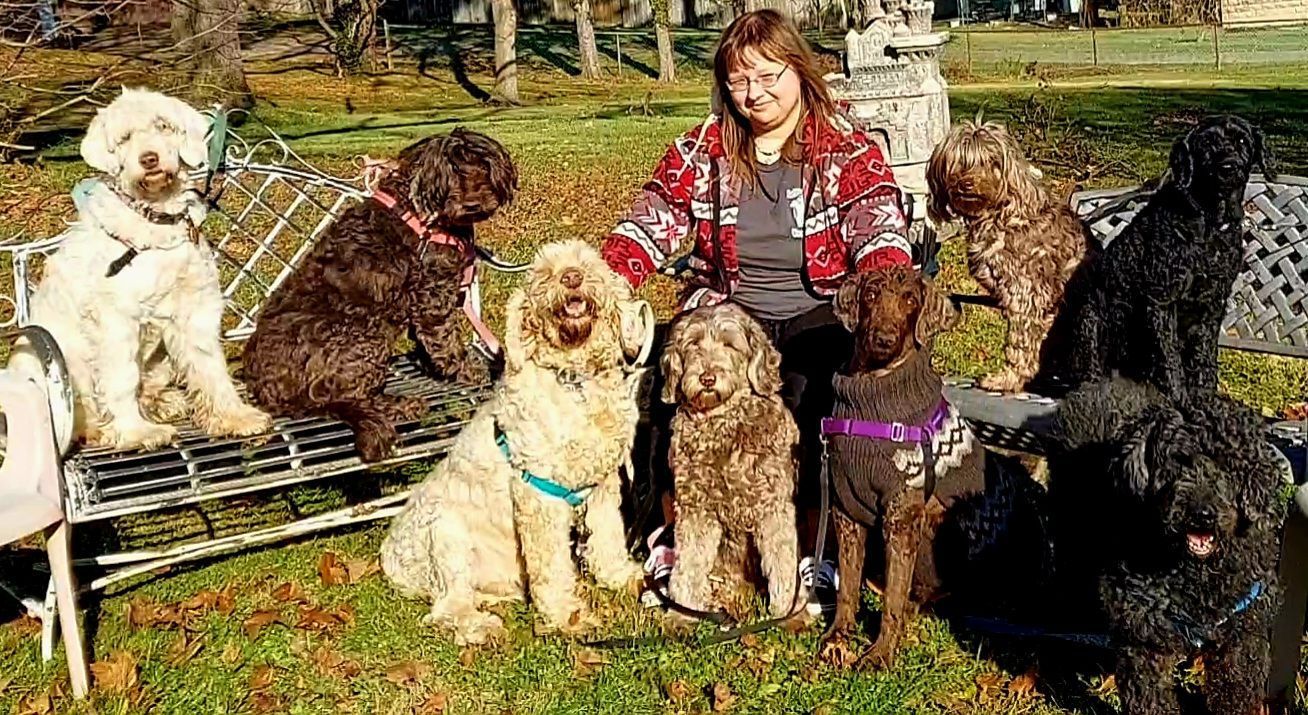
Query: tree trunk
<point x="590" y="67"/>
<point x="208" y="37"/>
<point x="663" y="36"/>
<point x="506" y="52"/>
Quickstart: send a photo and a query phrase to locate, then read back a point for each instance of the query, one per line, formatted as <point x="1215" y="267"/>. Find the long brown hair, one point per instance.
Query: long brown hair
<point x="772" y="35"/>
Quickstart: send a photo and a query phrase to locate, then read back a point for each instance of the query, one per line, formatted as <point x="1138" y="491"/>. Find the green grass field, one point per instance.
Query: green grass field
<point x="265" y="632"/>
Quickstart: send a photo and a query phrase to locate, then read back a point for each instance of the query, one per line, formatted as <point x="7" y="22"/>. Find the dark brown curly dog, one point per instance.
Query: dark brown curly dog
<point x="323" y="339"/>
<point x="951" y="524"/>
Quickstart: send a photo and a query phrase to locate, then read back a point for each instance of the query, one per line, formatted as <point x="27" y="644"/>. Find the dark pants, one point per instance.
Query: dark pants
<point x="813" y="347"/>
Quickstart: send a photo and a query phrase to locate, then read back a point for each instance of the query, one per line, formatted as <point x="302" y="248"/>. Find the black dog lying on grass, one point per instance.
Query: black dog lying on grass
<point x="1172" y="515"/>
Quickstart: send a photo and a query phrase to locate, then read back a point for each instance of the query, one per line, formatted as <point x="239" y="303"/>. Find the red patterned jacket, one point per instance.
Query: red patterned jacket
<point x="854" y="215"/>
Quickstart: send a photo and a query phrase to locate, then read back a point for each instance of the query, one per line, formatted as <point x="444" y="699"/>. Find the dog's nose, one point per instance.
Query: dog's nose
<point x="885" y="341"/>
<point x="149" y="161"/>
<point x="571" y="279"/>
<point x="708" y="380"/>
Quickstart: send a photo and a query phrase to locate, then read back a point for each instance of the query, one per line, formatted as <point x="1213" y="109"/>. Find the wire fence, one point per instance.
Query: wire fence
<point x="995" y="49"/>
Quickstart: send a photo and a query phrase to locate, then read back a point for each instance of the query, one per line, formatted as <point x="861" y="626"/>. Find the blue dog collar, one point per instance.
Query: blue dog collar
<point x="574" y="497"/>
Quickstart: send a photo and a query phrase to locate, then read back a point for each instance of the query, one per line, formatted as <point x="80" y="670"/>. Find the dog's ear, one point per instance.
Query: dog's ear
<point x="764" y="360"/>
<point x="1263" y="158"/>
<point x="195" y="128"/>
<point x="670" y="364"/>
<point x="431" y="177"/>
<point x="936" y="315"/>
<point x="846" y="304"/>
<point x="98" y="147"/>
<point x="1181" y="162"/>
<point x="937" y="176"/>
<point x="519" y="333"/>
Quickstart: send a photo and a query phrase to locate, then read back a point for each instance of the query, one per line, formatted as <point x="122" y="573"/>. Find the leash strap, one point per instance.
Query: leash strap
<point x="469" y="278"/>
<point x="574" y="497"/>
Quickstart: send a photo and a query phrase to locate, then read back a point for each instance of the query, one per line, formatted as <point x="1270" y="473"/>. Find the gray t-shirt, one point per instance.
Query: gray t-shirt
<point x="771" y="257"/>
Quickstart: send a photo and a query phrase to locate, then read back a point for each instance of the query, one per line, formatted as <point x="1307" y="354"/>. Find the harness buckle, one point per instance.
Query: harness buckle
<point x="898" y="432"/>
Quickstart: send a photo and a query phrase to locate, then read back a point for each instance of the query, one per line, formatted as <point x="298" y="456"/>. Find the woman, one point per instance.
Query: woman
<point x="782" y="150"/>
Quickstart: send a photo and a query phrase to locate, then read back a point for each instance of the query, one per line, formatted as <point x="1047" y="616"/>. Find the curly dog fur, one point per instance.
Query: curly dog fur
<point x="1024" y="245"/>
<point x="133" y="339"/>
<point x="475" y="532"/>
<point x="1156" y="295"/>
<point x="1193" y="490"/>
<point x="981" y="519"/>
<point x="323" y="339"/>
<point x="733" y="462"/>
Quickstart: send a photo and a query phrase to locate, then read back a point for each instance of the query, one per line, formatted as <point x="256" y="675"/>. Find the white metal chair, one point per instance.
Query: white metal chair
<point x="31" y="500"/>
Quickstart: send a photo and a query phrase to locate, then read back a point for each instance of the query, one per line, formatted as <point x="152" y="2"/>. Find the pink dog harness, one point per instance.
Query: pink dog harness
<point x="431" y="235"/>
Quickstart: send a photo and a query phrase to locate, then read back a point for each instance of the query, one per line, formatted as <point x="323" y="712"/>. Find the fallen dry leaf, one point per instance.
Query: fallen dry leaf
<point x="142" y="612"/>
<point x="226" y="602"/>
<point x="749" y="640"/>
<point x="258" y="620"/>
<point x="586" y="661"/>
<point x="679" y="690"/>
<point x="184" y="649"/>
<point x="231" y="654"/>
<point x="262" y="677"/>
<point x="1024" y="685"/>
<point x="410" y="672"/>
<point x="1297" y="411"/>
<point x="359" y="569"/>
<point x="988" y="685"/>
<point x="289" y="592"/>
<point x="265" y="702"/>
<point x="331" y="570"/>
<point x="329" y="662"/>
<point x="25" y="625"/>
<point x="467" y="656"/>
<point x="205" y="600"/>
<point x="313" y="618"/>
<point x="1106" y="687"/>
<point x="38" y="704"/>
<point x="723" y="698"/>
<point x="117" y="673"/>
<point x="433" y="705"/>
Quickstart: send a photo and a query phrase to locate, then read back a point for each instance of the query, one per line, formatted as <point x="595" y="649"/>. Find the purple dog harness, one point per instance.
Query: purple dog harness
<point x="888" y="431"/>
<point x="897" y="432"/>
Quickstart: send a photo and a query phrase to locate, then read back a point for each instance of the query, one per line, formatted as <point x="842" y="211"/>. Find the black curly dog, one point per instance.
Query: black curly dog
<point x="1151" y="304"/>
<point x="1170" y="513"/>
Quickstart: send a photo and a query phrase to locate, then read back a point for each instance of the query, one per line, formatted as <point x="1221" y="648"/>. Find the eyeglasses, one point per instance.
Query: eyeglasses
<point x="765" y="81"/>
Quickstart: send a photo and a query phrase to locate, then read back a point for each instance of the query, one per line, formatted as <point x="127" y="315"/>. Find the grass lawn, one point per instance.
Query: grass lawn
<point x="281" y="629"/>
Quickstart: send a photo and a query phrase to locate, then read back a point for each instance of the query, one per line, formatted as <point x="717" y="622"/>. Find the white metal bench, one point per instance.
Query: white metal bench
<point x="272" y="206"/>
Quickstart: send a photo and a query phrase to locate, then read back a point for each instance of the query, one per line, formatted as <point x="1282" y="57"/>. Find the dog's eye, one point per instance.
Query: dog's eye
<point x="164" y="127"/>
<point x="124" y="138"/>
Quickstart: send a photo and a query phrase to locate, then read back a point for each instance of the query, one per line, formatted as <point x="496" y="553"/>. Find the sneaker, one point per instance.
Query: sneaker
<point x="821" y="585"/>
<point x="662" y="557"/>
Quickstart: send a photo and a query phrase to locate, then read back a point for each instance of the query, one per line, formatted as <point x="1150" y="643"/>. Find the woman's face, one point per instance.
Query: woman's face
<point x="765" y="91"/>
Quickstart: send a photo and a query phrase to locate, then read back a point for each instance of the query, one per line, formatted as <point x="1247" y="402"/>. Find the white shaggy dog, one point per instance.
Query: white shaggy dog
<point x="132" y="293"/>
<point x="563" y="418"/>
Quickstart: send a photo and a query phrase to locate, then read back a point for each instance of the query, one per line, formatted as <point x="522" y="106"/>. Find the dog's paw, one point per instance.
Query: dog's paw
<point x="1002" y="381"/>
<point x="165" y="406"/>
<point x="478" y="628"/>
<point x="473" y="371"/>
<point x="242" y="421"/>
<point x="376" y="444"/>
<point x="405" y="409"/>
<point x="628" y="577"/>
<point x="140" y="435"/>
<point x="837" y="650"/>
<point x="579" y="620"/>
<point x="881" y="656"/>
